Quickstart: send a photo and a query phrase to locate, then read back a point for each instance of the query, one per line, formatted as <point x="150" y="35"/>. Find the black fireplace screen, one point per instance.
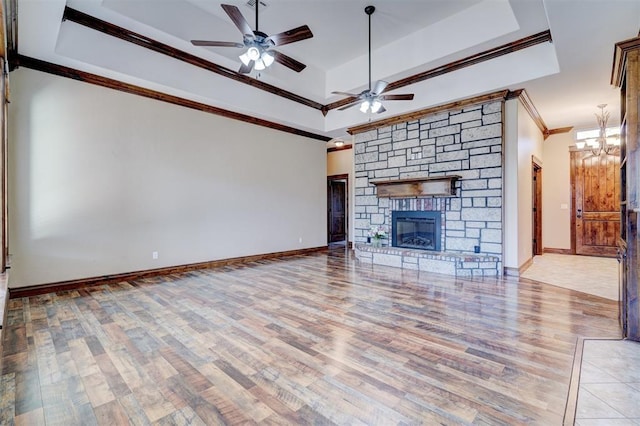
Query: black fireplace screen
<point x="416" y="229"/>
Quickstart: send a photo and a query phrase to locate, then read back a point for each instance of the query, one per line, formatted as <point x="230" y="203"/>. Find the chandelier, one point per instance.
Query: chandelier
<point x="603" y="140"/>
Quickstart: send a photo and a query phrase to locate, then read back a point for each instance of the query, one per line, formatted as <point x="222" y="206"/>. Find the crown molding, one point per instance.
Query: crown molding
<point x="528" y="105"/>
<point x="620" y="52"/>
<point x="558" y="131"/>
<point x="339" y="148"/>
<point x="416" y="115"/>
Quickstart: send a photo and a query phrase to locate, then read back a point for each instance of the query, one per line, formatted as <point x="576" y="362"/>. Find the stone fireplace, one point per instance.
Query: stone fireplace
<point x="464" y="143"/>
<point x="416" y="230"/>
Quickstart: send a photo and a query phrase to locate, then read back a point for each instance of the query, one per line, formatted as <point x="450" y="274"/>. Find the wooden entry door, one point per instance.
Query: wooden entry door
<point x="596" y="203"/>
<point x="337" y="209"/>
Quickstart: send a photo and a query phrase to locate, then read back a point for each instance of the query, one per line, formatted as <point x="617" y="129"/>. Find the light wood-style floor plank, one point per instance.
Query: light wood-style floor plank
<point x="313" y="339"/>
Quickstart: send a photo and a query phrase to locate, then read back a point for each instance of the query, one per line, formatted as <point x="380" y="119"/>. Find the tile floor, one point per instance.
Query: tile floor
<point x="593" y="275"/>
<point x="609" y="390"/>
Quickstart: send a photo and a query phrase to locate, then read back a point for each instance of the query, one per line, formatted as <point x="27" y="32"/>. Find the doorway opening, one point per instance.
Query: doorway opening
<point x="337" y="209"/>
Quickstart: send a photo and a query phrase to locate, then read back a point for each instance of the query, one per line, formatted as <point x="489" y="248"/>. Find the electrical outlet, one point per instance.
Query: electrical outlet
<point x="300" y="240"/>
<point x="154" y="255"/>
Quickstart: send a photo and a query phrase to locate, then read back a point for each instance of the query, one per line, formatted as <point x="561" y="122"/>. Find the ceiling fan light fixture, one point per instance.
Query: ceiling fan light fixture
<point x="256" y="43"/>
<point x="245" y="59"/>
<point x="261" y="58"/>
<point x="370" y="100"/>
<point x="267" y="58"/>
<point x="253" y="53"/>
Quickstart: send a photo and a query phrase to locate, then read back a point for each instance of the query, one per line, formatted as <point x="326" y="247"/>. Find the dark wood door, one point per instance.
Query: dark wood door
<point x="337" y="214"/>
<point x="536" y="203"/>
<point x="596" y="206"/>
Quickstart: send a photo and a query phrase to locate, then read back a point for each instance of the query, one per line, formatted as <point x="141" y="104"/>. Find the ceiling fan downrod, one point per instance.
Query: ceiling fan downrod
<point x="369" y="11"/>
<point x="257" y="3"/>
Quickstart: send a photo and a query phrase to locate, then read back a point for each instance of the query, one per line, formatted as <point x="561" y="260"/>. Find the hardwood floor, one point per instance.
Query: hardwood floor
<point x="313" y="339"/>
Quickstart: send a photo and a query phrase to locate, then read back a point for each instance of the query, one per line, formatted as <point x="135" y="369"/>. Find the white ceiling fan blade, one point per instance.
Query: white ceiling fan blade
<point x="379" y="87"/>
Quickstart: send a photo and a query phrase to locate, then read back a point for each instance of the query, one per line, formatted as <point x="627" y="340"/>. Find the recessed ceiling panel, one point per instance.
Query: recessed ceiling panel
<point x="471" y="26"/>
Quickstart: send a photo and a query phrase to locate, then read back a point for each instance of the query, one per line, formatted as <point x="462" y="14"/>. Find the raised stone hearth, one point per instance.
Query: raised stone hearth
<point x="396" y="167"/>
<point x="458" y="264"/>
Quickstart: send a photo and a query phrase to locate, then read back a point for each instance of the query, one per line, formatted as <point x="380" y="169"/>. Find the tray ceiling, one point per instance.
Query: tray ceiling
<point x="565" y="78"/>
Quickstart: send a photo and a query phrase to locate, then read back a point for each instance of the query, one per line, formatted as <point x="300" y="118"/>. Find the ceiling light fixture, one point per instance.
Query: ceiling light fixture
<point x="261" y="57"/>
<point x="336" y="142"/>
<point x="603" y="140"/>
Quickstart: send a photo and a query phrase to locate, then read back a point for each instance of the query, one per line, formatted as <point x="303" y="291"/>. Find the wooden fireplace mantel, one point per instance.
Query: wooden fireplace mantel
<point x="438" y="186"/>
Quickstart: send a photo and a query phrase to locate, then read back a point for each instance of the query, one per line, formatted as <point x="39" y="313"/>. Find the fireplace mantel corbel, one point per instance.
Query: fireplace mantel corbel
<point x="437" y="186"/>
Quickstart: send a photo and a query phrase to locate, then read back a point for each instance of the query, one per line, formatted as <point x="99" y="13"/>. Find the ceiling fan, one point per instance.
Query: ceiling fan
<point x="371" y="98"/>
<point x="259" y="53"/>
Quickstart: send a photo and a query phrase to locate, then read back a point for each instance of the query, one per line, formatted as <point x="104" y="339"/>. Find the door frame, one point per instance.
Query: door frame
<point x="573" y="163"/>
<point x="341" y="177"/>
<point x="536" y="215"/>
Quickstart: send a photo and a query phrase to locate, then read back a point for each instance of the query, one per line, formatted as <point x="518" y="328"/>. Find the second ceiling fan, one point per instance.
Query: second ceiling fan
<point x="259" y="53"/>
<point x="371" y="98"/>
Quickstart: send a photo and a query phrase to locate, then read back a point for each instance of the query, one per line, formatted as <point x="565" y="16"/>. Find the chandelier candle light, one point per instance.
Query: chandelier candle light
<point x="604" y="140"/>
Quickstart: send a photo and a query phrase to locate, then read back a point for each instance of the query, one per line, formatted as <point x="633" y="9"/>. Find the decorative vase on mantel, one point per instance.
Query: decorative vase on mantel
<point x="376" y="242"/>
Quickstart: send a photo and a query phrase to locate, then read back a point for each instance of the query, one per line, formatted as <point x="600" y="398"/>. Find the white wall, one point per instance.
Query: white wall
<point x="100" y="179"/>
<point x="511" y="184"/>
<point x="518" y="188"/>
<point x="556" y="191"/>
<point x="341" y="163"/>
<point x="530" y="141"/>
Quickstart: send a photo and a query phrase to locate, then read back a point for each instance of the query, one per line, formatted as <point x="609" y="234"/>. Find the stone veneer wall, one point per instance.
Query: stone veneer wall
<point x="465" y="142"/>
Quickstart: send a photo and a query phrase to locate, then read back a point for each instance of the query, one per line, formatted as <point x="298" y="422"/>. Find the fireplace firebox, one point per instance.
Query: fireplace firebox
<point x="416" y="229"/>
